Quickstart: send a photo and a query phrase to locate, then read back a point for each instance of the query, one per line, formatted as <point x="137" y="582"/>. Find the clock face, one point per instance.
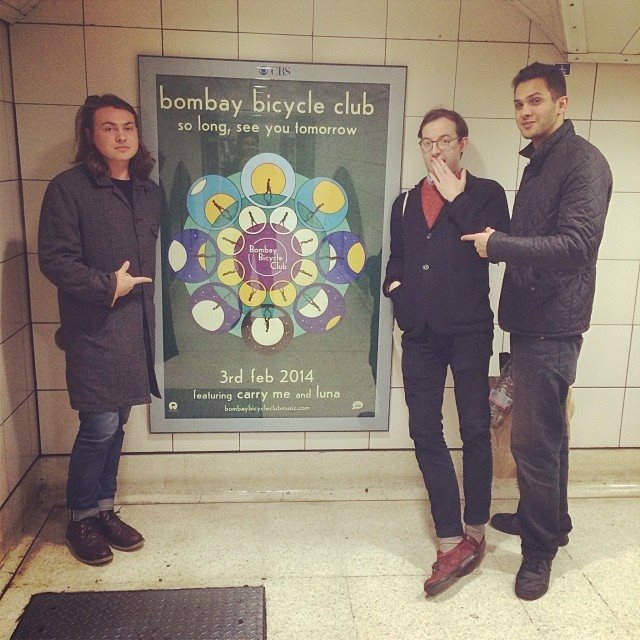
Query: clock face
<point x="192" y="255"/>
<point x="252" y="293"/>
<point x="267" y="329"/>
<point x="213" y="202"/>
<point x="230" y="241"/>
<point x="230" y="272"/>
<point x="268" y="180"/>
<point x="319" y="308"/>
<point x="321" y="204"/>
<point x="305" y="242"/>
<point x="283" y="293"/>
<point x="252" y="219"/>
<point x="304" y="272"/>
<point x="215" y="308"/>
<point x="342" y="257"/>
<point x="283" y="220"/>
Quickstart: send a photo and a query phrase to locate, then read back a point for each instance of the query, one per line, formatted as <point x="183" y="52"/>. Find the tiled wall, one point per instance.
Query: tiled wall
<point x="18" y="420"/>
<point x="460" y="54"/>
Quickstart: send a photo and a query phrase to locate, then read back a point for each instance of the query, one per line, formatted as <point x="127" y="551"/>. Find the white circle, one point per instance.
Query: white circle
<point x="208" y="314"/>
<point x="177" y="255"/>
<point x="267" y="334"/>
<point x="321" y="300"/>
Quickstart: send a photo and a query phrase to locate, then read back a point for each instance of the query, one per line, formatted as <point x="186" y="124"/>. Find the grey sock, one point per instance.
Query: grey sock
<point x="447" y="544"/>
<point x="475" y="531"/>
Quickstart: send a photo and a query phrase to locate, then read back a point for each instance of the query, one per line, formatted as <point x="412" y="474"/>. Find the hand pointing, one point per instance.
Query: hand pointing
<point x="479" y="240"/>
<point x="125" y="281"/>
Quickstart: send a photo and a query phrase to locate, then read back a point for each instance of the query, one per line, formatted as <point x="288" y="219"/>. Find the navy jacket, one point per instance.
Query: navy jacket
<point x="87" y="230"/>
<point x="557" y="227"/>
<point x="445" y="283"/>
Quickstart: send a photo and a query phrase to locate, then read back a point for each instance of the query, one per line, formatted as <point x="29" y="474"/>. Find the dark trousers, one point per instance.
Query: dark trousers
<point x="543" y="370"/>
<point x="424" y="367"/>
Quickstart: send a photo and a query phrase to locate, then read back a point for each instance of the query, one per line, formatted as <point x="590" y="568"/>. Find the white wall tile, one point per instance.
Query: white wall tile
<point x="48" y="64"/>
<point x="44" y="297"/>
<point x="281" y="441"/>
<point x="431" y="69"/>
<point x="537" y="35"/>
<point x="206" y="442"/>
<point x="413" y="169"/>
<point x="17" y="442"/>
<point x="364" y="18"/>
<point x="483" y="80"/>
<point x="200" y="44"/>
<point x="630" y="433"/>
<point x="14" y="382"/>
<point x="281" y="48"/>
<point x="50" y="360"/>
<point x="32" y="195"/>
<point x="221" y="15"/>
<point x="582" y="127"/>
<point x="636" y="316"/>
<point x="46" y="139"/>
<point x="47" y="11"/>
<point x="137" y="437"/>
<point x="8" y="148"/>
<point x="112" y="59"/>
<point x="493" y="21"/>
<point x="276" y="17"/>
<point x="619" y="142"/>
<point x="349" y="50"/>
<point x="398" y="435"/>
<point x="597" y="418"/>
<point x="11" y="241"/>
<point x="493" y="150"/>
<point x="604" y="357"/>
<point x="12" y="317"/>
<point x="633" y="375"/>
<point x="617" y="95"/>
<point x="58" y="422"/>
<point x="4" y="472"/>
<point x="423" y="19"/>
<point x="122" y="13"/>
<point x="6" y="89"/>
<point x="616" y="283"/>
<point x="622" y="228"/>
<point x="334" y="440"/>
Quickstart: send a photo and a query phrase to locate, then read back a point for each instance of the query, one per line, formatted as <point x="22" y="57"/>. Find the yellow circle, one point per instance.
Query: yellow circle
<point x="282" y="293"/>
<point x="252" y="293"/>
<point x="230" y="241"/>
<point x="230" y="272"/>
<point x="356" y="258"/>
<point x="268" y="178"/>
<point x="304" y="272"/>
<point x="328" y="198"/>
<point x="216" y="204"/>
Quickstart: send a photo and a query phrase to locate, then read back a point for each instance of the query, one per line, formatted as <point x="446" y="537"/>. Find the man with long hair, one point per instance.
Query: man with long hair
<point x="97" y="244"/>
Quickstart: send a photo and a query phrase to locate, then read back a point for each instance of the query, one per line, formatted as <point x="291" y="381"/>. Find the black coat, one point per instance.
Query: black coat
<point x="87" y="230"/>
<point x="445" y="284"/>
<point x="557" y="226"/>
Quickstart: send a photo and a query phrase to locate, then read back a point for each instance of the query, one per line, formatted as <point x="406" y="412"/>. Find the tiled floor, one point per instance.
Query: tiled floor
<point x="354" y="570"/>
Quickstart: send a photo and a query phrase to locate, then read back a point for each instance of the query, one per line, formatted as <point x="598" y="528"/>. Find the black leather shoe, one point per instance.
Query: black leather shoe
<point x="119" y="534"/>
<point x="86" y="543"/>
<point x="508" y="523"/>
<point x="532" y="581"/>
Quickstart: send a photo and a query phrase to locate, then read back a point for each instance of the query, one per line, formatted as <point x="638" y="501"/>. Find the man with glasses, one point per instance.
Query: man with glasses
<point x="546" y="301"/>
<point x="440" y="292"/>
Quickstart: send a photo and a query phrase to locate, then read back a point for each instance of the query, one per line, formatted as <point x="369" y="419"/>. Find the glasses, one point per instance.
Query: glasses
<point x="442" y="143"/>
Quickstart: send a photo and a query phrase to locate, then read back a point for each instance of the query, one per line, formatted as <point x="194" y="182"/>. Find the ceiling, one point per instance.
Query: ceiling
<point x="584" y="30"/>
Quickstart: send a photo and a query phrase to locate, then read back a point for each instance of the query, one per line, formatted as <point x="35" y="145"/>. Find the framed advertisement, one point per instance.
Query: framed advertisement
<point x="277" y="180"/>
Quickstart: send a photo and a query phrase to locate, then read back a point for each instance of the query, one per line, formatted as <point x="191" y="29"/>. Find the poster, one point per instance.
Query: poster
<point x="277" y="179"/>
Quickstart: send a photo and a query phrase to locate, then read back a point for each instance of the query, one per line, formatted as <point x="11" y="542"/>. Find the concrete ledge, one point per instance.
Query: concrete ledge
<point x="318" y="476"/>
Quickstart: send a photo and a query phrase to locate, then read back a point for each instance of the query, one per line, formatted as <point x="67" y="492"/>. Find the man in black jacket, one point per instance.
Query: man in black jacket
<point x="97" y="244"/>
<point x="546" y="302"/>
<point x="440" y="292"/>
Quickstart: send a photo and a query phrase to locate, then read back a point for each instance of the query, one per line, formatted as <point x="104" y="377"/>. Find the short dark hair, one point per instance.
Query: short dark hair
<point x="462" y="130"/>
<point x="139" y="166"/>
<point x="548" y="72"/>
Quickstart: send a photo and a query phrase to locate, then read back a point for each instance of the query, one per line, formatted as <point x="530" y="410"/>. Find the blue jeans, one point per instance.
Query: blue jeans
<point x="93" y="465"/>
<point x="543" y="370"/>
<point x="424" y="368"/>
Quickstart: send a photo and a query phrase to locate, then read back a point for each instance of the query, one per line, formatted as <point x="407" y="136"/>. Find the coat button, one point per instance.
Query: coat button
<point x="533" y="288"/>
<point x="428" y="236"/>
<point x="425" y="267"/>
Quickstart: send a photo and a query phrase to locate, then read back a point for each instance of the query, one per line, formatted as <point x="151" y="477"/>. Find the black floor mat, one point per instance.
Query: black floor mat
<point x="230" y="613"/>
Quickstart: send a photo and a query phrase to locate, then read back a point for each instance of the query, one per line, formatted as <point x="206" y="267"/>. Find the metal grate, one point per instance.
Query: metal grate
<point x="229" y="613"/>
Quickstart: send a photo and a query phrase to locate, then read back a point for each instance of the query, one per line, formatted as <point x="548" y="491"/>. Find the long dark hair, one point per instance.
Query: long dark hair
<point x="139" y="166"/>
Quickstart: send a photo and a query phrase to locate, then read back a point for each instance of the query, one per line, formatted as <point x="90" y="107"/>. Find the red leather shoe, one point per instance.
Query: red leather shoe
<point x="458" y="562"/>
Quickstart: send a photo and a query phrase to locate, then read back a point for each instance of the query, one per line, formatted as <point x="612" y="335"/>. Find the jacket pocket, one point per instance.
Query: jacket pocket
<point x="402" y="308"/>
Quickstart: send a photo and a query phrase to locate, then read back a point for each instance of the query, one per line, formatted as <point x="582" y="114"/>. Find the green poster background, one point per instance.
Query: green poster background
<point x="223" y="147"/>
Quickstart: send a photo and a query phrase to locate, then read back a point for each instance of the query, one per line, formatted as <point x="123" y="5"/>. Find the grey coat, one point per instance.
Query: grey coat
<point x="87" y="230"/>
<point x="556" y="230"/>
